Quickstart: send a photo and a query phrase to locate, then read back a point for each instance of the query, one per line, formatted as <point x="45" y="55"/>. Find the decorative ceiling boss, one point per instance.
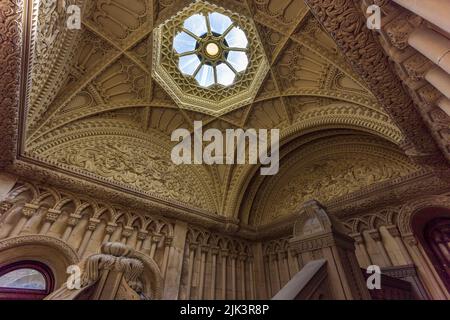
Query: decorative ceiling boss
<point x="209" y="59"/>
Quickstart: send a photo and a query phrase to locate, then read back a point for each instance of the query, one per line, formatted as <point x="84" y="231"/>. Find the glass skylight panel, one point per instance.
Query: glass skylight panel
<point x="212" y="50"/>
<point x="205" y="76"/>
<point x="219" y="23"/>
<point x="238" y="60"/>
<point x="196" y="24"/>
<point x="188" y="64"/>
<point x="183" y="43"/>
<point x="236" y="38"/>
<point x="225" y="76"/>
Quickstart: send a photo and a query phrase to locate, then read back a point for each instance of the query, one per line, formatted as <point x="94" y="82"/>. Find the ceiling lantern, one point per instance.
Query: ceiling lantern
<point x="209" y="59"/>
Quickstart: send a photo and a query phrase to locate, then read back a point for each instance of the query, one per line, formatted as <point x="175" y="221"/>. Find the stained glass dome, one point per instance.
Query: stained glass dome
<point x="211" y="48"/>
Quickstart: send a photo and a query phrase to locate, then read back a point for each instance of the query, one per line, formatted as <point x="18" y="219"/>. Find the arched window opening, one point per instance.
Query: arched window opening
<point x="25" y="280"/>
<point x="432" y="228"/>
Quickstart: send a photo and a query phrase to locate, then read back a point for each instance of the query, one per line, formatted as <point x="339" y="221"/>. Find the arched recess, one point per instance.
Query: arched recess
<point x="139" y="162"/>
<point x="431" y="227"/>
<point x="330" y="164"/>
<point x="52" y="252"/>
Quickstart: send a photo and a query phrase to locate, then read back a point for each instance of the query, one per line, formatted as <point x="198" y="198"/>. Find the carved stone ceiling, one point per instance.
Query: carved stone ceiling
<point x="94" y="110"/>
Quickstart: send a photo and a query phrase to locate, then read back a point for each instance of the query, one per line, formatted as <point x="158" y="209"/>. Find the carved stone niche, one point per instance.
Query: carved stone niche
<point x="318" y="235"/>
<point x="114" y="274"/>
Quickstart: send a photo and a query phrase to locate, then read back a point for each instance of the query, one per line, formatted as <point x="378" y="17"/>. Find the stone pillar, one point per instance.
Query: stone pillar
<point x="141" y="236"/>
<point x="435" y="11"/>
<point x="167" y="247"/>
<point x="110" y="228"/>
<point x="432" y="45"/>
<point x="28" y="211"/>
<point x="324" y="237"/>
<point x="361" y="251"/>
<point x="214" y="254"/>
<point x="71" y="223"/>
<point x="92" y="225"/>
<point x="224" y="254"/>
<point x="439" y="79"/>
<point x="50" y="218"/>
<point x="175" y="262"/>
<point x="395" y="233"/>
<point x="260" y="275"/>
<point x="444" y="104"/>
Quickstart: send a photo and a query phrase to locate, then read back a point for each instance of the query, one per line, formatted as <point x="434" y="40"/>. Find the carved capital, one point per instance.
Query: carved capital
<point x="4" y="207"/>
<point x="410" y="240"/>
<point x="168" y="241"/>
<point x="110" y="228"/>
<point x="393" y="230"/>
<point x="73" y="220"/>
<point x="29" y="210"/>
<point x="358" y="238"/>
<point x="417" y="66"/>
<point x="429" y="94"/>
<point x="142" y="235"/>
<point x="127" y="232"/>
<point x="375" y="235"/>
<point x="93" y="223"/>
<point x="52" y="215"/>
<point x="401" y="28"/>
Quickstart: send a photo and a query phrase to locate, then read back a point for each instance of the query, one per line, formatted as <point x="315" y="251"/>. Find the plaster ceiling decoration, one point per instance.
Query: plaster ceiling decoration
<point x="96" y="112"/>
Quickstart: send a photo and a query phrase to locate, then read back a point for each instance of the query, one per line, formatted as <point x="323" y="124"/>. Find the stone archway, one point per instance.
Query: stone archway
<point x="52" y="252"/>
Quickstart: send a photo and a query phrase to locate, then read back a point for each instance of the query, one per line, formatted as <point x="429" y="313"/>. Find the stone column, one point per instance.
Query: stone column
<point x="175" y="262"/>
<point x="323" y="236"/>
<point x="110" y="228"/>
<point x="233" y="276"/>
<point x="435" y="11"/>
<point x="71" y="223"/>
<point x="224" y="254"/>
<point x="251" y="272"/>
<point x="444" y="104"/>
<point x="242" y="260"/>
<point x="141" y="236"/>
<point x="214" y="254"/>
<point x="126" y="234"/>
<point x="361" y="251"/>
<point x="201" y="286"/>
<point x="28" y="211"/>
<point x="92" y="225"/>
<point x="259" y="274"/>
<point x="50" y="218"/>
<point x="440" y="80"/>
<point x="432" y="45"/>
<point x="395" y="233"/>
<point x="155" y="241"/>
<point x="167" y="246"/>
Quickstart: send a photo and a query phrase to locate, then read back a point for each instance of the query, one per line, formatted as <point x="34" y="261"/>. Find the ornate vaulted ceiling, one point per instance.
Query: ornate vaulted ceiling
<point x="96" y="113"/>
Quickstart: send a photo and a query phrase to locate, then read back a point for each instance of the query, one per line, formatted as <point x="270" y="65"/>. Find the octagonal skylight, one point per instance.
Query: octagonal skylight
<point x="211" y="48"/>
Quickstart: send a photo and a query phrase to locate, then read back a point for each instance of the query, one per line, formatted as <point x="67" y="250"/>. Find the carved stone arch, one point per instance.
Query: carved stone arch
<point x="165" y="225"/>
<point x="20" y="192"/>
<point x="80" y="209"/>
<point x="74" y="150"/>
<point x="65" y="201"/>
<point x="151" y="225"/>
<point x="376" y="221"/>
<point x="408" y="211"/>
<point x="341" y="115"/>
<point x="54" y="253"/>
